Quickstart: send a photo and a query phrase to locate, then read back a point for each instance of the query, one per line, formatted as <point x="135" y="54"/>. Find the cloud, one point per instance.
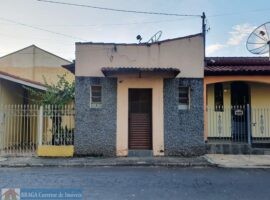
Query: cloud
<point x="213" y="48"/>
<point x="237" y="36"/>
<point x="239" y="33"/>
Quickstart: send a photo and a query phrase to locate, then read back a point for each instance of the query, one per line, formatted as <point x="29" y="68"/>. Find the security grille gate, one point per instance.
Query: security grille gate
<point x="140" y="119"/>
<point x="238" y="124"/>
<point x="24" y="127"/>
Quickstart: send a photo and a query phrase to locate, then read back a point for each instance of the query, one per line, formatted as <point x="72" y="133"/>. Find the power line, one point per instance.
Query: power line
<point x="119" y="10"/>
<point x="152" y="13"/>
<point x="41" y="29"/>
<point x="115" y="24"/>
<point x="240" y="13"/>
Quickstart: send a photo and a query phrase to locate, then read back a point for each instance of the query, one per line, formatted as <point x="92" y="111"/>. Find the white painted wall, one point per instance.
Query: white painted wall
<point x="186" y="53"/>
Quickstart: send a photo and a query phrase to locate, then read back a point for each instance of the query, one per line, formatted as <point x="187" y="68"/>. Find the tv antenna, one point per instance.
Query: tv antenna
<point x="155" y="37"/>
<point x="258" y="41"/>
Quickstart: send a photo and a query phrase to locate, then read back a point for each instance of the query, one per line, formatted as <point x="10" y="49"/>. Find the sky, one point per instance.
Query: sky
<point x="56" y="28"/>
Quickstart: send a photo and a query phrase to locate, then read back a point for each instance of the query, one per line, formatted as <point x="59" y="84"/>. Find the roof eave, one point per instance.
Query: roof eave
<point x="23" y="82"/>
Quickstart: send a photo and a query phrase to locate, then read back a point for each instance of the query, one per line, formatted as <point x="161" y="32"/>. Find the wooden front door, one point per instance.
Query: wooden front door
<point x="140" y="119"/>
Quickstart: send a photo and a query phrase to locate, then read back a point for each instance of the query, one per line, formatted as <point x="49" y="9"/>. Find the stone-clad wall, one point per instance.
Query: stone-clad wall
<point x="96" y="128"/>
<point x="95" y="132"/>
<point x="183" y="129"/>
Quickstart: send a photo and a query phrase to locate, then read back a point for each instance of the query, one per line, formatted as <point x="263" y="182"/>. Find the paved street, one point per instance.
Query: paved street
<point x="146" y="182"/>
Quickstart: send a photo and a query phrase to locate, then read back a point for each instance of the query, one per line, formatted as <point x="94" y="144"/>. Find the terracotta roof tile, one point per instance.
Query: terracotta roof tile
<point x="237" y="65"/>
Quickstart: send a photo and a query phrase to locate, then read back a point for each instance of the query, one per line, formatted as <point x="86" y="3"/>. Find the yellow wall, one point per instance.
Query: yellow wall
<point x="122" y="113"/>
<point x="51" y="74"/>
<point x="10" y="93"/>
<point x="55" y="151"/>
<point x="260" y="95"/>
<point x="39" y="73"/>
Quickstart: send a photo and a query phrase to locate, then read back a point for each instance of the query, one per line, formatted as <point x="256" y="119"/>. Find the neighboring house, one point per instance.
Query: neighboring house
<point x="34" y="63"/>
<point x="28" y="67"/>
<point x="140" y="98"/>
<point x="237" y="100"/>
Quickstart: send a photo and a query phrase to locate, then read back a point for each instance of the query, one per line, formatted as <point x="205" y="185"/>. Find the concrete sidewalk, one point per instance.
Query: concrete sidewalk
<point x="95" y="162"/>
<point x="239" y="161"/>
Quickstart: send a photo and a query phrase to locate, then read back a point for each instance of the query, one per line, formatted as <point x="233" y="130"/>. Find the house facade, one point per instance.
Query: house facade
<point x="140" y="98"/>
<point x="237" y="101"/>
<point x="31" y="64"/>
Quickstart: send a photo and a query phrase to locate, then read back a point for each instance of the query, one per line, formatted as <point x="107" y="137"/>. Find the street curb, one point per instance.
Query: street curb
<point x="108" y="162"/>
<point x="208" y="159"/>
<point x="243" y="166"/>
<point x="182" y="165"/>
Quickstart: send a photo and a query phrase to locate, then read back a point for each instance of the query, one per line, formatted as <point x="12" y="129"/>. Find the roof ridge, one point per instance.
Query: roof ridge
<point x="35" y="46"/>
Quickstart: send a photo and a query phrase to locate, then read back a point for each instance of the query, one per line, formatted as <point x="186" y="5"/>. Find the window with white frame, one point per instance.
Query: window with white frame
<point x="183" y="97"/>
<point x="95" y="96"/>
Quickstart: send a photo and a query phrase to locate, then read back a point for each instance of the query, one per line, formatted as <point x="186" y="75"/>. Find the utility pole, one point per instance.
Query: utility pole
<point x="204" y="30"/>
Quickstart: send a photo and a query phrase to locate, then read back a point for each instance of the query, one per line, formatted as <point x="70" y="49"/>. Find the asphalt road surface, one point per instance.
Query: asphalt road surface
<point x="146" y="182"/>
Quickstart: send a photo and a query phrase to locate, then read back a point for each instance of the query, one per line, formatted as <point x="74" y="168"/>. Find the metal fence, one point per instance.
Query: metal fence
<point x="238" y="124"/>
<point x="24" y="127"/>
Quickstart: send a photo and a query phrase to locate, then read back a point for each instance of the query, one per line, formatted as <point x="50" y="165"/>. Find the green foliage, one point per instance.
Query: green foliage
<point x="60" y="93"/>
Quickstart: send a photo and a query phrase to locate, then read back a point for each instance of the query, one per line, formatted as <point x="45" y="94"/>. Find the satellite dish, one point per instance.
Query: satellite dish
<point x="258" y="41"/>
<point x="139" y="38"/>
<point x="155" y="37"/>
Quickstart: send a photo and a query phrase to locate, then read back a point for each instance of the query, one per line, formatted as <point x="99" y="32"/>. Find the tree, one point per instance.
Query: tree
<point x="54" y="98"/>
<point x="61" y="93"/>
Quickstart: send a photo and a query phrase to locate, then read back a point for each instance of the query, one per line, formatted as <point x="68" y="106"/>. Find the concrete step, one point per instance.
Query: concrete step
<point x="140" y="153"/>
<point x="235" y="149"/>
<point x="228" y="149"/>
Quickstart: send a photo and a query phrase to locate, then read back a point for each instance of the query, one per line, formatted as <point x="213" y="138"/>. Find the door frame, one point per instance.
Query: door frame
<point x="157" y="85"/>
